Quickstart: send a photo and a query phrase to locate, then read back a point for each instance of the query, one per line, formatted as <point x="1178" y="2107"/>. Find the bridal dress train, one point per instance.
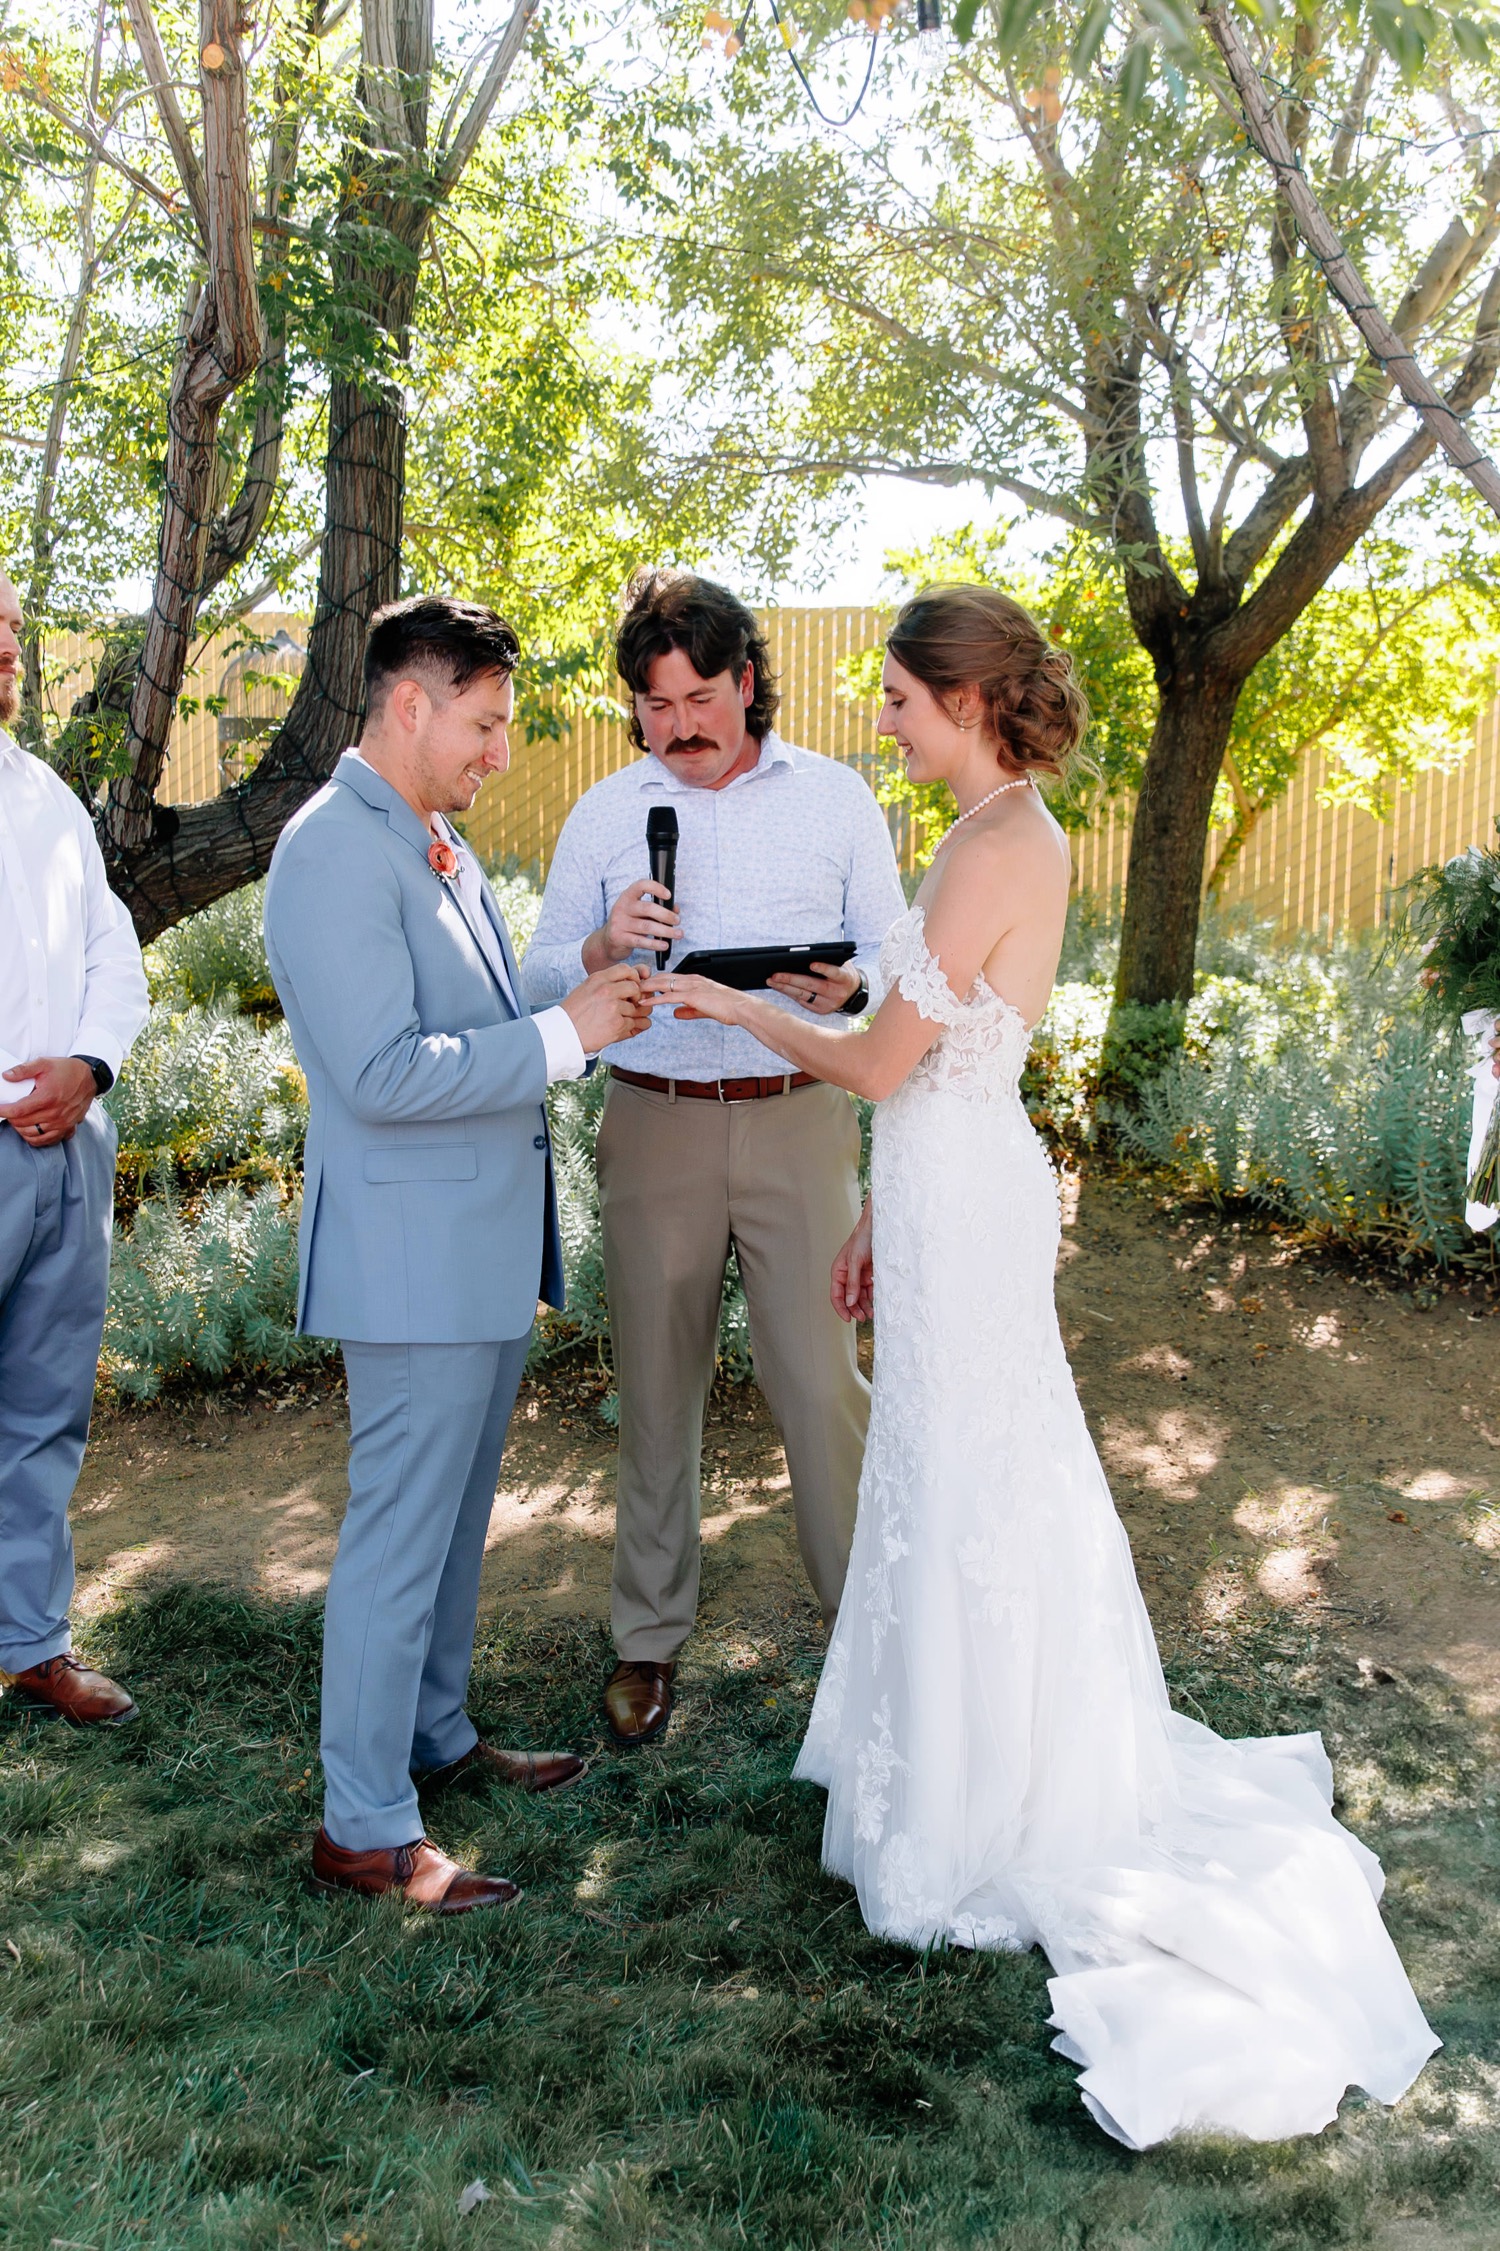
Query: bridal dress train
<point x="1002" y="1764"/>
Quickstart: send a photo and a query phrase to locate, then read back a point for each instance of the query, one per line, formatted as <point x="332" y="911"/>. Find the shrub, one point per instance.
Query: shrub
<point x="1299" y="1076"/>
<point x="217" y="954"/>
<point x="1058" y="1082"/>
<point x="1358" y="1138"/>
<point x="210" y="1294"/>
<point x="209" y="1090"/>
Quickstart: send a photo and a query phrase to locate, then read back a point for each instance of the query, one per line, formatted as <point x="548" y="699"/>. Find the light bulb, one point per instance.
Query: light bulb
<point x="931" y="44"/>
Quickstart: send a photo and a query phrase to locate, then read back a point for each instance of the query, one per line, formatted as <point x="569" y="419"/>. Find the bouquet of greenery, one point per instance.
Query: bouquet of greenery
<point x="1453" y="915"/>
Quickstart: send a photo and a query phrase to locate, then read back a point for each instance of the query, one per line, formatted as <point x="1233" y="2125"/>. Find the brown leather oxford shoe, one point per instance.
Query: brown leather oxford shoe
<point x="67" y="1686"/>
<point x="522" y="1770"/>
<point x="638" y="1699"/>
<point x="427" y="1878"/>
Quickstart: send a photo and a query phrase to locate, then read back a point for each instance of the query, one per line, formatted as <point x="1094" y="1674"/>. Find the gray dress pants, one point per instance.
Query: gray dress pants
<point x="55" y="1212"/>
<point x="427" y="1426"/>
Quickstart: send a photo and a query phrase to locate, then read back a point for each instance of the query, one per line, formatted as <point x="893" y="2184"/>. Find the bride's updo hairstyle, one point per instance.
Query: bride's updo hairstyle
<point x="956" y="637"/>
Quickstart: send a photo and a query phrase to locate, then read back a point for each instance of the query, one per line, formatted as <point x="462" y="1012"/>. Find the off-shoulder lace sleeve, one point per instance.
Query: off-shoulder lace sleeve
<point x="910" y="966"/>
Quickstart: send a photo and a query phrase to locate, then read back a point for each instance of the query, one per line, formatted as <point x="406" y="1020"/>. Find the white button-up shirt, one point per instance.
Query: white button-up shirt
<point x="794" y="851"/>
<point x="71" y="980"/>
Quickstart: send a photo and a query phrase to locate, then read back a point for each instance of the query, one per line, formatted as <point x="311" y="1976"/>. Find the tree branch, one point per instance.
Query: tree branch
<point x="224" y="343"/>
<point x="1388" y="347"/>
<point x="96" y="144"/>
<point x="1327" y="534"/>
<point x="174" y="125"/>
<point x="1206" y="555"/>
<point x="451" y="165"/>
<point x="915" y="473"/>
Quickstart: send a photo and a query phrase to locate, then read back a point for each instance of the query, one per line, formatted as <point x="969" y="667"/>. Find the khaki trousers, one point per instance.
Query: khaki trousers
<point x="679" y="1181"/>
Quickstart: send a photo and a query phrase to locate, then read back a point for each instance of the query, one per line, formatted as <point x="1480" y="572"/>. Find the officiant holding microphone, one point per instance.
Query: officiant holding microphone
<point x="707" y="1141"/>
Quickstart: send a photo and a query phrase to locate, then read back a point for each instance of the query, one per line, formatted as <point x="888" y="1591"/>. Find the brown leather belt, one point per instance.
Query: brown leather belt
<point x="715" y="1090"/>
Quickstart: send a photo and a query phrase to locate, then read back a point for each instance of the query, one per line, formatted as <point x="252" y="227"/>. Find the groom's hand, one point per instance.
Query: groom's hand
<point x="639" y="919"/>
<point x="608" y="1007"/>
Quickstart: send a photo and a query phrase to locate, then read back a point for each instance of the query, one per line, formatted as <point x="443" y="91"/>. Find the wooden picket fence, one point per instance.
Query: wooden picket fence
<point x="1309" y="864"/>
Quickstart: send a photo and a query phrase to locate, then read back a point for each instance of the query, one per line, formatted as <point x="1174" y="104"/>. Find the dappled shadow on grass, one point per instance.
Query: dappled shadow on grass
<point x="682" y="2036"/>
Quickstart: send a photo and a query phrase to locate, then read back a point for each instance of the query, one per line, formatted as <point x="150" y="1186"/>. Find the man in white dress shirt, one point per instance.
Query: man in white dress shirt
<point x="706" y="1139"/>
<point x="72" y="998"/>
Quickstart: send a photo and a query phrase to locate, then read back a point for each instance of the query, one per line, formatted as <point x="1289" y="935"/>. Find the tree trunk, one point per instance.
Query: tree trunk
<point x="167" y="861"/>
<point x="223" y="345"/>
<point x="1164" y="880"/>
<point x="199" y="852"/>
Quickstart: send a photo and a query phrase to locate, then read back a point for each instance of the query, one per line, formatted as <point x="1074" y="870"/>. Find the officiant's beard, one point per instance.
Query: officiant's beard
<point x="10" y="698"/>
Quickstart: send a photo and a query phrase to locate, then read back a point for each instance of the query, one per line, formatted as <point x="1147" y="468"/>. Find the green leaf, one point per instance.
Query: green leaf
<point x="1135" y="74"/>
<point x="1091" y="35"/>
<point x="1016" y="19"/>
<point x="1403" y="34"/>
<point x="964" y="21"/>
<point x="1176" y="22"/>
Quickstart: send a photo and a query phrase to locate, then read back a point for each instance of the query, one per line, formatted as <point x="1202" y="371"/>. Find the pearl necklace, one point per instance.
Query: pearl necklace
<point x="1023" y="782"/>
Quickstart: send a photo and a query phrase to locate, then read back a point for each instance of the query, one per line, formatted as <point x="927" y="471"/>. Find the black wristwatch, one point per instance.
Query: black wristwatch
<point x="104" y="1077"/>
<point x="858" y="1001"/>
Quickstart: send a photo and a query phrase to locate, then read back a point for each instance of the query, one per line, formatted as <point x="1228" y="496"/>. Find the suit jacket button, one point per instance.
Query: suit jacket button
<point x="540" y="1141"/>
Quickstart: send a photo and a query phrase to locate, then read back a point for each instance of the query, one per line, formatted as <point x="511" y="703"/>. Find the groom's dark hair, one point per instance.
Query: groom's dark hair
<point x="673" y="609"/>
<point x="448" y="640"/>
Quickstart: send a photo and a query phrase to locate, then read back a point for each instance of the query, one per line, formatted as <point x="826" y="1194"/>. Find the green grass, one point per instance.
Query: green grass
<point x="682" y="2037"/>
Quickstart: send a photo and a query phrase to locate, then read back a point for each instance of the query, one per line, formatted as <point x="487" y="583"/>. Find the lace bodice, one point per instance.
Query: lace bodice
<point x="982" y="1048"/>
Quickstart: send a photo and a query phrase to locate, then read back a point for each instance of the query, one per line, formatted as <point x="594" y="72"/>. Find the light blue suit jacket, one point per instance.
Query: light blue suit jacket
<point x="429" y="1214"/>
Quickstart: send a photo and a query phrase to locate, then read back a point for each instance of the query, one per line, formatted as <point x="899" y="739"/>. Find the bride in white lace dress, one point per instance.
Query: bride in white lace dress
<point x="1002" y="1764"/>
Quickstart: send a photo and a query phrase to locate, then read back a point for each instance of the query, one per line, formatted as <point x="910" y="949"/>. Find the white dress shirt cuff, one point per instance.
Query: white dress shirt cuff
<point x="561" y="1045"/>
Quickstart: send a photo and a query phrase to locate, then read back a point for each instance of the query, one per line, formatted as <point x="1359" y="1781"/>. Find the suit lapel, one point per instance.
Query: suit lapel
<point x="478" y="939"/>
<point x="497" y="923"/>
<point x="378" y="794"/>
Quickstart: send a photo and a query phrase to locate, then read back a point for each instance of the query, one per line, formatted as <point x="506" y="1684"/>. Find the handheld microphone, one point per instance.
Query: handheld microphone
<point x="661" y="845"/>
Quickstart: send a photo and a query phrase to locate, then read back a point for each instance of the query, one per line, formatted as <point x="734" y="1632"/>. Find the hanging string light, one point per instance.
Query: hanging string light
<point x="874" y="14"/>
<point x="878" y="10"/>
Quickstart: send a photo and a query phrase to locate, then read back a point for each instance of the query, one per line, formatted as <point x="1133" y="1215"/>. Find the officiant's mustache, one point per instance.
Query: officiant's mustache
<point x="688" y="742"/>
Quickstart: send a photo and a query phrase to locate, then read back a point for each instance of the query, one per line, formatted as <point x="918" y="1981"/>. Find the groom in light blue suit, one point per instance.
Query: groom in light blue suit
<point x="429" y="1224"/>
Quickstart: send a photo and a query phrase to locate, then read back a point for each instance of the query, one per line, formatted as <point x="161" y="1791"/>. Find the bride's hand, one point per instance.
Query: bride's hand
<point x="692" y="996"/>
<point x="852" y="1285"/>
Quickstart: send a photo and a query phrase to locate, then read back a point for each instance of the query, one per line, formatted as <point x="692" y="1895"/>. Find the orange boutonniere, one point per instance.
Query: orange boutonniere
<point x="442" y="859"/>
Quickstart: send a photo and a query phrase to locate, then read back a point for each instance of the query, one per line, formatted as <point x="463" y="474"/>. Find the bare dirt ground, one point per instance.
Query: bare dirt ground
<point x="1276" y="1432"/>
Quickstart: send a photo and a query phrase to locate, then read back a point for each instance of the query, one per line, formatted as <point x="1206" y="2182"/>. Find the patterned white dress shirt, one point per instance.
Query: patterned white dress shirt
<point x="794" y="851"/>
<point x="71" y="980"/>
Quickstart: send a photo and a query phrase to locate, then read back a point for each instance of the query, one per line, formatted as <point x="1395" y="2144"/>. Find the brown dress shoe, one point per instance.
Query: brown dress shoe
<point x="427" y="1877"/>
<point x="525" y="1770"/>
<point x="638" y="1699"/>
<point x="62" y="1684"/>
